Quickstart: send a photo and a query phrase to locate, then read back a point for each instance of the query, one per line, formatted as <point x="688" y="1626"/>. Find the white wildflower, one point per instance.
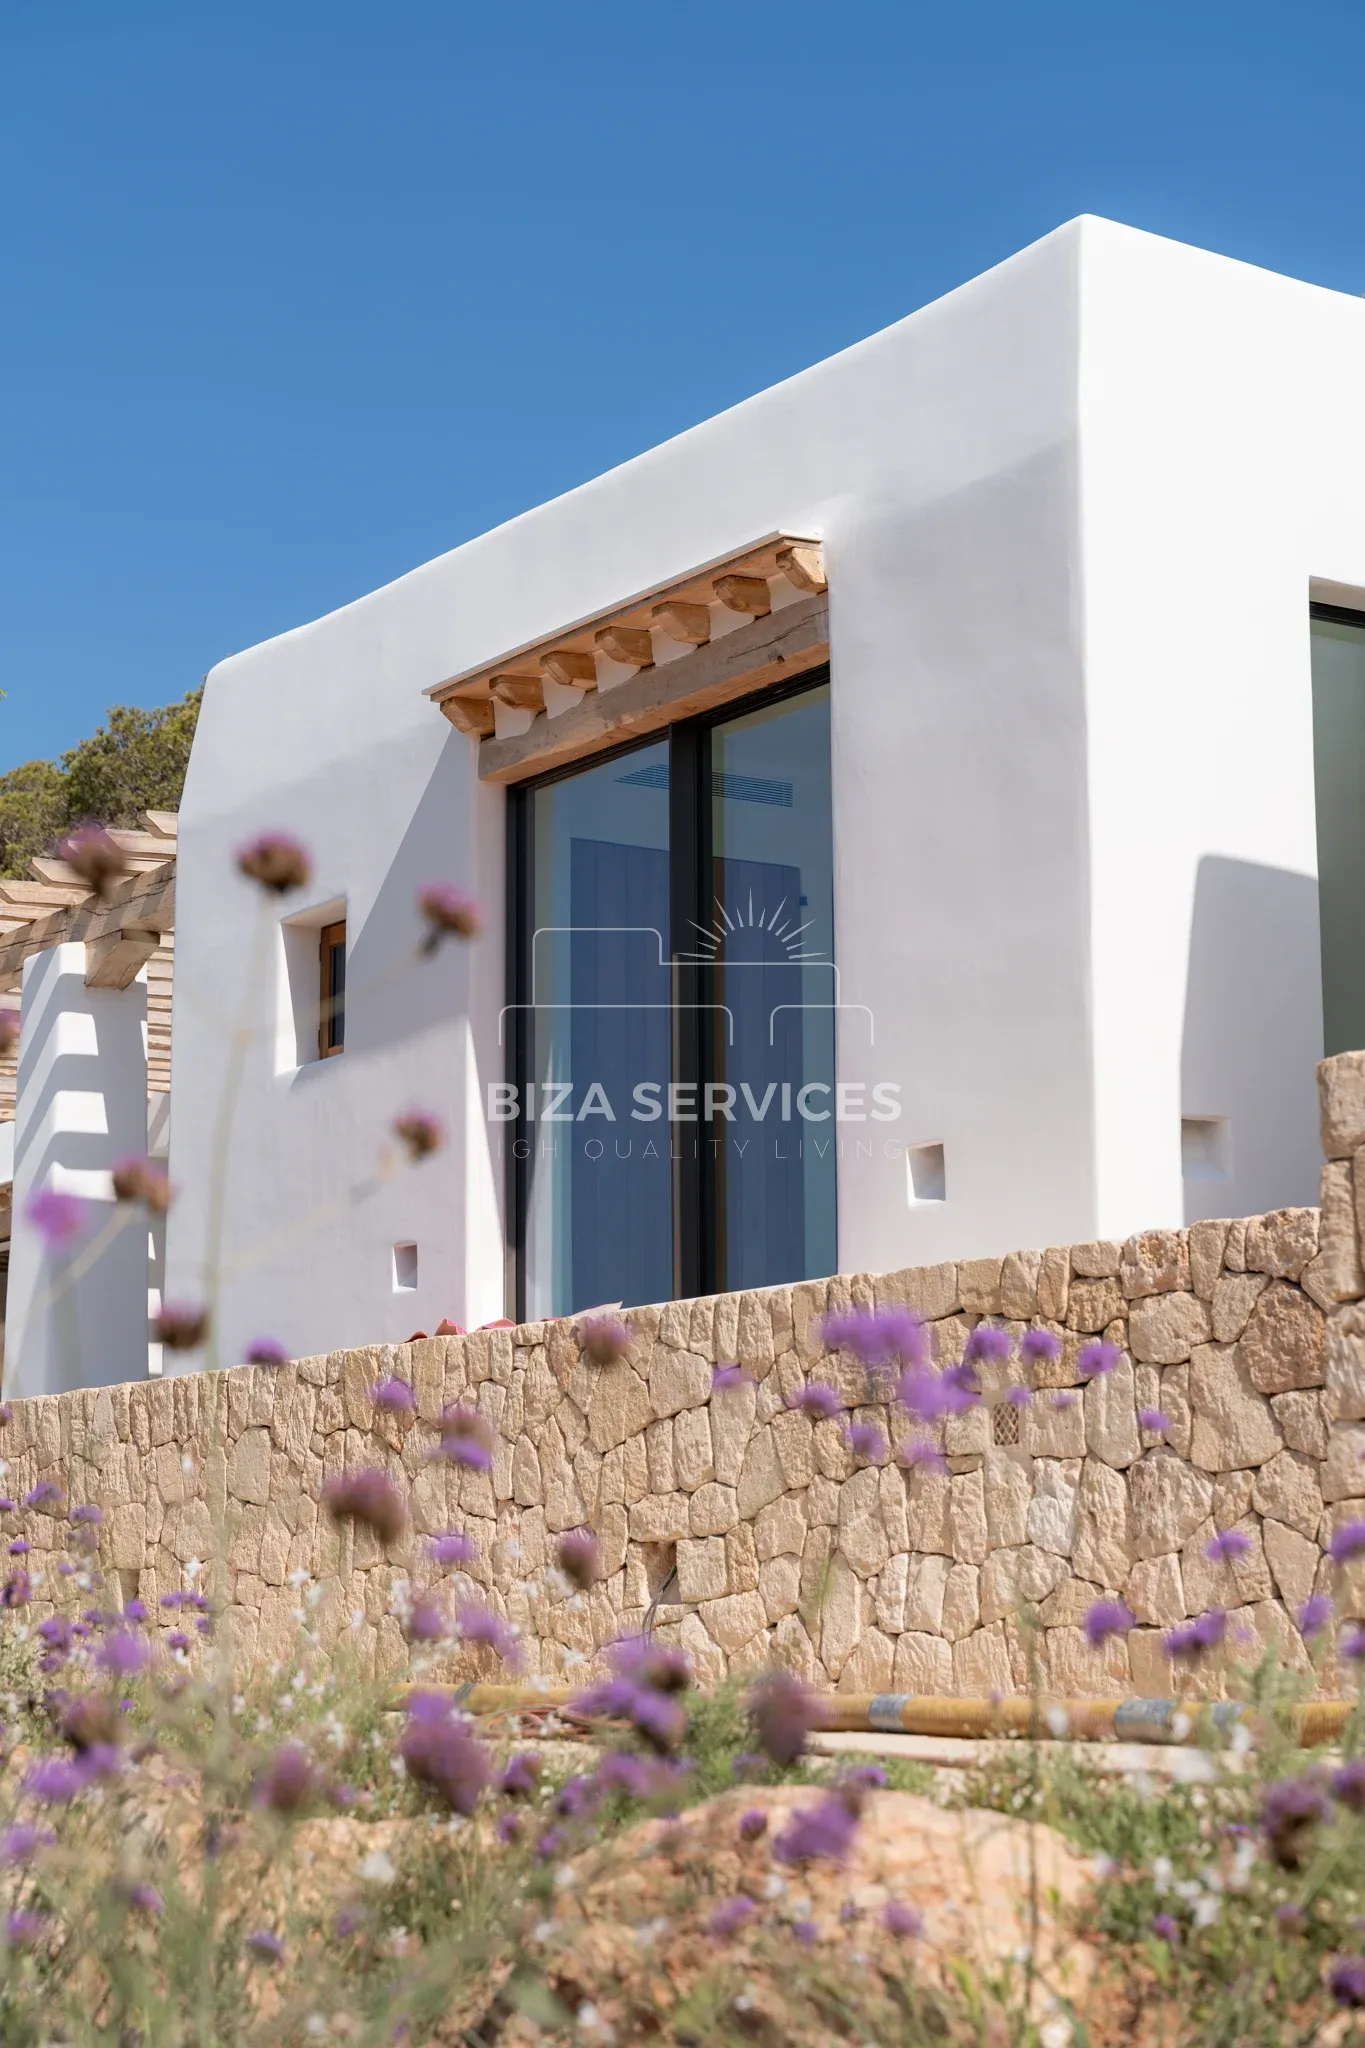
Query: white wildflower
<point x="377" y="1868"/>
<point x="1163" y="1870"/>
<point x="1059" y="1722"/>
<point x="1206" y="1910"/>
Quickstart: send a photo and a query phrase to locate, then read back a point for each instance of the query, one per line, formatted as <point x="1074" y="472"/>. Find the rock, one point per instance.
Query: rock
<point x="659" y="1518"/>
<point x="927" y="1510"/>
<point x="1099" y="1259"/>
<point x="1052" y="1512"/>
<point x="1149" y="1664"/>
<point x="761" y="1480"/>
<point x="978" y="1282"/>
<point x="889" y="1606"/>
<point x="1341" y="1103"/>
<point x="931" y="1291"/>
<point x="620" y="1403"/>
<point x="1232" y="1493"/>
<point x="714" y="1510"/>
<point x="1019" y="1285"/>
<point x="794" y="1651"/>
<point x="1234" y="1297"/>
<point x="1110" y="1404"/>
<point x="981" y="1664"/>
<point x="1287" y="1488"/>
<point x="1207" y="1241"/>
<point x="1283" y="1345"/>
<point x="1336" y="1274"/>
<point x="1046" y="1431"/>
<point x="1345" y="1364"/>
<point x="892" y="1507"/>
<point x="1175" y="1405"/>
<point x="924" y="1664"/>
<point x="1282" y="1243"/>
<point x="659" y="1454"/>
<point x="733" y="1621"/>
<point x="926" y="1585"/>
<point x="780" y="1528"/>
<point x="1303" y="1422"/>
<point x="741" y="1560"/>
<point x="779" y="1587"/>
<point x="1164" y="1328"/>
<point x="732" y="1421"/>
<point x="967" y="1518"/>
<point x="693" y="1462"/>
<point x="249" y="1467"/>
<point x="1156" y="1262"/>
<point x="870" y="1666"/>
<point x="1257" y="1629"/>
<point x="1210" y="1583"/>
<point x="841" y="1613"/>
<point x="792" y="1438"/>
<point x="1100" y="1547"/>
<point x="708" y="1659"/>
<point x="701" y="1570"/>
<point x="1093" y="1305"/>
<point x="1155" y="1591"/>
<point x="1168" y="1501"/>
<point x="1075" y="1670"/>
<point x="961" y="1602"/>
<point x="1008" y="1488"/>
<point x="677" y="1380"/>
<point x="1012" y="1579"/>
<point x="1233" y="1425"/>
<point x="1343" y="1470"/>
<point x="1293" y="1559"/>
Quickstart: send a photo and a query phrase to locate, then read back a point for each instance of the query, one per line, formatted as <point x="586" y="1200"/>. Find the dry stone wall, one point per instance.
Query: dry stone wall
<point x="769" y="1541"/>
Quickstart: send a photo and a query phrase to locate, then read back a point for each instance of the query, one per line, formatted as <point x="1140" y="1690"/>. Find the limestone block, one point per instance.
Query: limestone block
<point x="862" y="1534"/>
<point x="1150" y="1666"/>
<point x="621" y="1403"/>
<point x="1288" y="1488"/>
<point x="1260" y="1627"/>
<point x="701" y="1336"/>
<point x="1155" y="1591"/>
<point x="967" y="1518"/>
<point x="1067" y="1605"/>
<point x="249" y="1467"/>
<point x="732" y="1421"/>
<point x="1282" y="1243"/>
<point x="792" y="1650"/>
<point x="1207" y="1242"/>
<point x="1100" y="1552"/>
<point x="714" y="1509"/>
<point x="870" y="1667"/>
<point x="635" y="1469"/>
<point x="1232" y="1493"/>
<point x="1047" y="1431"/>
<point x="1052" y="1511"/>
<point x="1349" y="1580"/>
<point x="1093" y="1305"/>
<point x="1110" y="1407"/>
<point x="1155" y="1262"/>
<point x="889" y="1606"/>
<point x="822" y="1503"/>
<point x="1293" y="1559"/>
<point x="1017" y="1578"/>
<point x="892" y="1507"/>
<point x="931" y="1291"/>
<point x="659" y="1454"/>
<point x="1008" y="1483"/>
<point x="1234" y="1297"/>
<point x="1341" y="1103"/>
<point x="780" y="1528"/>
<point x="1168" y="1501"/>
<point x="741" y="1559"/>
<point x="659" y="1518"/>
<point x="1019" y="1284"/>
<point x="526" y="1482"/>
<point x="761" y="1479"/>
<point x="948" y="1340"/>
<point x="724" y="1327"/>
<point x="677" y="1380"/>
<point x="1054" y="1284"/>
<point x="1343" y="1470"/>
<point x="1336" y="1273"/>
<point x="693" y="1461"/>
<point x="926" y="1586"/>
<point x="1098" y="1259"/>
<point x="1345" y="1364"/>
<point x="1075" y="1670"/>
<point x="1175" y="1406"/>
<point x="587" y="1472"/>
<point x="793" y="1440"/>
<point x="701" y="1569"/>
<point x="1231" y="1584"/>
<point x="841" y="1615"/>
<point x="923" y="1665"/>
<point x="978" y="1282"/>
<point x="613" y="1529"/>
<point x="708" y="1659"/>
<point x="981" y="1663"/>
<point x="1163" y="1329"/>
<point x="1302" y="1418"/>
<point x="779" y="1586"/>
<point x="1233" y="1424"/>
<point x="968" y="1435"/>
<point x="1284" y="1344"/>
<point x="128" y="1538"/>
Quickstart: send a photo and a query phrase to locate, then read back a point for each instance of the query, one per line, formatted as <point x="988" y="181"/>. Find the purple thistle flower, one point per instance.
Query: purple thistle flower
<point x="17" y="1591"/>
<point x="19" y="1547"/>
<point x="509" y="1828"/>
<point x="1018" y="1397"/>
<point x="466" y="1438"/>
<point x="181" y="1326"/>
<point x="726" y="1378"/>
<point x="45" y="1494"/>
<point x="21" y="1841"/>
<point x="56" y="1779"/>
<point x="135" y="1610"/>
<point x="454" y="1547"/>
<point x="1346" y="1981"/>
<point x="123" y="1654"/>
<point x="1107" y="1618"/>
<point x="819" y="1400"/>
<point x="579" y="1558"/>
<point x="520" y="1776"/>
<point x="419" y="1133"/>
<point x="87" y="1512"/>
<point x="604" y="1339"/>
<point x="926" y="1395"/>
<point x="1193" y="1638"/>
<point x="1097" y="1358"/>
<point x="878" y="1338"/>
<point x="367" y="1496"/>
<point x="814" y="1832"/>
<point x="396" y="1397"/>
<point x="918" y="1451"/>
<point x="730" y="1916"/>
<point x="905" y="1922"/>
<point x="1066" y="1399"/>
<point x="289" y="1780"/>
<point x="1227" y="1546"/>
<point x="1155" y="1420"/>
<point x="1166" y="1928"/>
<point x="277" y="861"/>
<point x="57" y="1632"/>
<point x="266" y="1945"/>
<point x="428" y="1621"/>
<point x="145" y="1898"/>
<point x="1347" y="1542"/>
<point x="987" y="1345"/>
<point x="6" y="1506"/>
<point x="24" y="1929"/>
<point x="266" y="1351"/>
<point x="620" y="1770"/>
<point x="58" y="1219"/>
<point x="177" y="1640"/>
<point x="806" y="1932"/>
<point x="1290" y="1919"/>
<point x="551" y="1844"/>
<point x="1040" y="1347"/>
<point x="865" y="1440"/>
<point x="753" y="1822"/>
<point x="1315" y="1614"/>
<point x="449" y="912"/>
<point x="784" y="1711"/>
<point x="1353" y="1645"/>
<point x="1348" y="1785"/>
<point x="479" y="1624"/>
<point x="440" y="1752"/>
<point x="1290" y="1810"/>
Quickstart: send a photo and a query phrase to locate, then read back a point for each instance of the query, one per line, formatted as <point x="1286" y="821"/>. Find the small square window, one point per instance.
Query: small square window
<point x="927" y="1175"/>
<point x="1205" y="1148"/>
<point x="332" y="992"/>
<point x="405" y="1269"/>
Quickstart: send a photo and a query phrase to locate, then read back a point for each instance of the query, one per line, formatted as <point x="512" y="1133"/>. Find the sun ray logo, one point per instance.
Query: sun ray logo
<point x="715" y="941"/>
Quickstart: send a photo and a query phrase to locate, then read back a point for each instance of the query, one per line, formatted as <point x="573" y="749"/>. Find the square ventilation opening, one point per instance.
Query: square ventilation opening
<point x="405" y="1269"/>
<point x="924" y="1165"/>
<point x="1205" y="1148"/>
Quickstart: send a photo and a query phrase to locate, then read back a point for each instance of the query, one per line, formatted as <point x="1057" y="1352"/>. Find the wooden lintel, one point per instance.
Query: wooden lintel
<point x="116" y="960"/>
<point x="804" y="567"/>
<point x="519" y="693"/>
<point x="630" y="645"/>
<point x="144" y="903"/>
<point x="763" y="651"/>
<point x="682" y="620"/>
<point x="570" y="667"/>
<point x="744" y="594"/>
<point x="470" y="714"/>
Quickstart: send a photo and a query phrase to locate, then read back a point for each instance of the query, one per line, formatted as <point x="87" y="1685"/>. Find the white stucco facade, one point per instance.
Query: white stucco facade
<point x="1071" y="514"/>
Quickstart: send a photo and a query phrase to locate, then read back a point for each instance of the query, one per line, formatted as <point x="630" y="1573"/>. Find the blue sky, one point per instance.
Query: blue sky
<point x="299" y="295"/>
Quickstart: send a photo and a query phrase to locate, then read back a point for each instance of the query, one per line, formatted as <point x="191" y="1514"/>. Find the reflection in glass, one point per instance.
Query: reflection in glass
<point x="599" y="1224"/>
<point x="1339" y="773"/>
<point x="771" y="936"/>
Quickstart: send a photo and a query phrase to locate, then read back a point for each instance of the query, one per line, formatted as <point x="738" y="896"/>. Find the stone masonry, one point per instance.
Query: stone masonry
<point x="772" y="1542"/>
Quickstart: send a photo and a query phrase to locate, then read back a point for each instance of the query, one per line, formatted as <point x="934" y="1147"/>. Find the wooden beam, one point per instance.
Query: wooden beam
<point x="116" y="960"/>
<point x="630" y="645"/>
<point x="681" y="620"/>
<point x="804" y="567"/>
<point x="570" y="668"/>
<point x="744" y="594"/>
<point x="35" y="896"/>
<point x="470" y="714"/>
<point x="166" y="824"/>
<point x="141" y="902"/>
<point x="761" y="651"/>
<point x="519" y="693"/>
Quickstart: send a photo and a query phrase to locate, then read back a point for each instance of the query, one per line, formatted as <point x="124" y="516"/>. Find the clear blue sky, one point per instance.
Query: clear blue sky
<point x="299" y="295"/>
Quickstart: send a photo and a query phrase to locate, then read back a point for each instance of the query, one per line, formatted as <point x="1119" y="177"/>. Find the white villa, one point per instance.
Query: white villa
<point x="917" y="813"/>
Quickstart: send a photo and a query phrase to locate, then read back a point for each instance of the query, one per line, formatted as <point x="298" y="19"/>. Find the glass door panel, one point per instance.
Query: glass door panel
<point x="1339" y="778"/>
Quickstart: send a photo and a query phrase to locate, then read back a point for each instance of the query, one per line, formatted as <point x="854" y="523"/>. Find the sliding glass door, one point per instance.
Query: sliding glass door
<point x="673" y="1014"/>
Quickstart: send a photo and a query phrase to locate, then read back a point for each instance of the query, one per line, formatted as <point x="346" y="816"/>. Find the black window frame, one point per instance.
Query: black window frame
<point x="696" y="1208"/>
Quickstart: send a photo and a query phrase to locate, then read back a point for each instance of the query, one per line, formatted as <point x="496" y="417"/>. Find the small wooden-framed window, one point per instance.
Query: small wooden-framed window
<point x="332" y="993"/>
